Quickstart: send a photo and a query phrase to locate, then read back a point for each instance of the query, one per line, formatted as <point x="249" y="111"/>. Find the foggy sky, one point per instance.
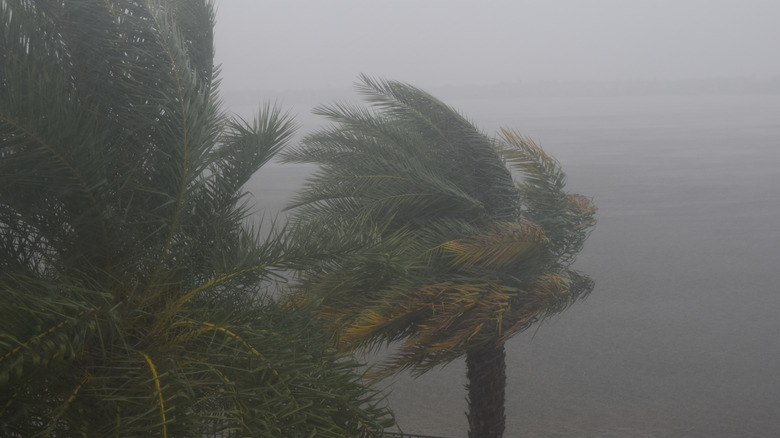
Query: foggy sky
<point x="284" y="45"/>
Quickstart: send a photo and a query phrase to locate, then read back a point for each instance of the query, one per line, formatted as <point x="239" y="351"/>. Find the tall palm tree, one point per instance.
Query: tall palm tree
<point x="425" y="237"/>
<point x="131" y="295"/>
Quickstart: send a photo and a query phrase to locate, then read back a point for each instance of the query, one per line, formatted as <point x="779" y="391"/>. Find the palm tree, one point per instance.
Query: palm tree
<point x="425" y="237"/>
<point x="131" y="296"/>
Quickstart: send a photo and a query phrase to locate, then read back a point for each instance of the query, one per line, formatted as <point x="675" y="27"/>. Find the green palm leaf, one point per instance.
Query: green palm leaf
<point x="133" y="300"/>
<point x="461" y="256"/>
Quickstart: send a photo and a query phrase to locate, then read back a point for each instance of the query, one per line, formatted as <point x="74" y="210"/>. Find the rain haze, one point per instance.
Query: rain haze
<point x="310" y="45"/>
<point x="666" y="113"/>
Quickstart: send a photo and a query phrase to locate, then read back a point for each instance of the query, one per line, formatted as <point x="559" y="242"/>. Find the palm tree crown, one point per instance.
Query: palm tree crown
<point x="433" y="241"/>
<point x="460" y="254"/>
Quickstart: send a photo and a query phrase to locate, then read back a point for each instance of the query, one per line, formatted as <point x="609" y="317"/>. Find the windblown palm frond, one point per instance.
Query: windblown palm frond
<point x="508" y="245"/>
<point x="460" y="255"/>
<point x="566" y="218"/>
<point x="412" y="163"/>
<point x="400" y="162"/>
<point x="132" y="298"/>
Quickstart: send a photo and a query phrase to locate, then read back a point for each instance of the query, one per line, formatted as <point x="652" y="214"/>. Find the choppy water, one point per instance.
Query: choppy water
<point x="680" y="336"/>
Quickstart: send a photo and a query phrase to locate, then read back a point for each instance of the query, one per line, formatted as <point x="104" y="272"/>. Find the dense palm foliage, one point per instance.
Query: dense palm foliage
<point x="131" y="296"/>
<point x="426" y="237"/>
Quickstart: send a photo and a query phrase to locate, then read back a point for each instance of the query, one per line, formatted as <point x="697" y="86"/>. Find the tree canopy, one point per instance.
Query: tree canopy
<point x="441" y="236"/>
<point x="434" y="237"/>
<point x="131" y="293"/>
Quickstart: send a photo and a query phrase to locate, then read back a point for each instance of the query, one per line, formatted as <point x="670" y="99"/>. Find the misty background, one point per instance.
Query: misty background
<point x="667" y="113"/>
<point x="297" y="45"/>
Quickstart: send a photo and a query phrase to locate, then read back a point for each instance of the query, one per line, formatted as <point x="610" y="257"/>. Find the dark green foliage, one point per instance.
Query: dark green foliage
<point x="433" y="243"/>
<point x="132" y="298"/>
<point x="433" y="240"/>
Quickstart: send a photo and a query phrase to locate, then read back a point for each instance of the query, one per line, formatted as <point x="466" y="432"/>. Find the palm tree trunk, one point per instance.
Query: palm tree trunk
<point x="486" y="386"/>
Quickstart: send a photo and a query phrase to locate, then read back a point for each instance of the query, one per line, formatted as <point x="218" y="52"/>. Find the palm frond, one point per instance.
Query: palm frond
<point x="506" y="245"/>
<point x="485" y="249"/>
<point x="564" y="217"/>
<point x="133" y="300"/>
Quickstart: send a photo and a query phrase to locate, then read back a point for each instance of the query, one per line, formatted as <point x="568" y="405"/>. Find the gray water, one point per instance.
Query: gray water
<point x="680" y="336"/>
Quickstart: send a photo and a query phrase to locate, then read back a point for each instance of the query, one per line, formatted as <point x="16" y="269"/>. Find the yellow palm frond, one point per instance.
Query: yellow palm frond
<point x="158" y="391"/>
<point x="550" y="290"/>
<point x="506" y="244"/>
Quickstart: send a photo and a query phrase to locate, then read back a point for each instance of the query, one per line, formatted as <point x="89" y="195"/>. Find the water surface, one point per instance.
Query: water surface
<point x="680" y="336"/>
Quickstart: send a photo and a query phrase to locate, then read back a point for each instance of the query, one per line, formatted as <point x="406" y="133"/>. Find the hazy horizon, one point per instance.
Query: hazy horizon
<point x="300" y="45"/>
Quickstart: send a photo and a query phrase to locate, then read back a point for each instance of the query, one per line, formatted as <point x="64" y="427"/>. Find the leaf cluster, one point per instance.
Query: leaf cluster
<point x="132" y="297"/>
<point x="440" y="238"/>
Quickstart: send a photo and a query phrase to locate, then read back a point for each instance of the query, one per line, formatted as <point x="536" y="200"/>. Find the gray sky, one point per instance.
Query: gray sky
<point x="293" y="44"/>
